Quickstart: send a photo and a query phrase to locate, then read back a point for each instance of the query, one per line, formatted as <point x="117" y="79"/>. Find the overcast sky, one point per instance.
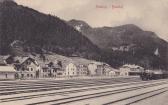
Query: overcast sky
<point x="151" y="15"/>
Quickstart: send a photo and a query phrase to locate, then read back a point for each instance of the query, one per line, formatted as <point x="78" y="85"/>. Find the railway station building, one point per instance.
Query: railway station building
<point x="6" y="71"/>
<point x="130" y="70"/>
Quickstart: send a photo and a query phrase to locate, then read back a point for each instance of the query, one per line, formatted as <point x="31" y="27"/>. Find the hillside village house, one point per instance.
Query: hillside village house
<point x="100" y="71"/>
<point x="114" y="73"/>
<point x="98" y="68"/>
<point x="26" y="67"/>
<point x="51" y="70"/>
<point x="109" y="71"/>
<point x="6" y="71"/>
<point x="82" y="70"/>
<point x="92" y="67"/>
<point x="130" y="70"/>
<point x="70" y="70"/>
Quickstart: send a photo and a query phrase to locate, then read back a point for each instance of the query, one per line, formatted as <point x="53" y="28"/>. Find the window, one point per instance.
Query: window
<point x="22" y="69"/>
<point x="54" y="70"/>
<point x="59" y="73"/>
<point x="6" y="75"/>
<point x="22" y="75"/>
<point x="44" y="70"/>
<point x="31" y="75"/>
<point x="27" y="75"/>
<point x="31" y="69"/>
<point x="28" y="62"/>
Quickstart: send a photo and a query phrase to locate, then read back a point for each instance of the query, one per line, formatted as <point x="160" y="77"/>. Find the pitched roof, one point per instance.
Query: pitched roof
<point x="23" y="59"/>
<point x="6" y="56"/>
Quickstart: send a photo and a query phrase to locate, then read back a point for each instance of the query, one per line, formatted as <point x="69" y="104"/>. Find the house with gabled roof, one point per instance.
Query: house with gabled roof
<point x="70" y="69"/>
<point x="26" y="67"/>
<point x="92" y="67"/>
<point x="51" y="70"/>
<point x="97" y="68"/>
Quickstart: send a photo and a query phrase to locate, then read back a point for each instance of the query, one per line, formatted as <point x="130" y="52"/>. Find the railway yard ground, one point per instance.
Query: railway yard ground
<point x="95" y="91"/>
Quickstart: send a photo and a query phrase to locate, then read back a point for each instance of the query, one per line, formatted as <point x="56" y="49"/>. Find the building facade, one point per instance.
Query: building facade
<point x="130" y="70"/>
<point x="7" y="72"/>
<point x="51" y="70"/>
<point x="92" y="69"/>
<point x="26" y="68"/>
<point x="100" y="71"/>
<point x="70" y="70"/>
<point x="82" y="70"/>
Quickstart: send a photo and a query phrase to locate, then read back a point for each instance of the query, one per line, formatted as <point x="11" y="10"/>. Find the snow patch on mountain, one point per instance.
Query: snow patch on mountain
<point x="78" y="27"/>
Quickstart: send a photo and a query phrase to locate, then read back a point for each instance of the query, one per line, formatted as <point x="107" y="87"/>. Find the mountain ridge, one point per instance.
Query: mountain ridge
<point x="128" y="44"/>
<point x="40" y="32"/>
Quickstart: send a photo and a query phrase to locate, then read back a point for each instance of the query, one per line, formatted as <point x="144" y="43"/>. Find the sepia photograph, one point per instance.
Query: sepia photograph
<point x="83" y="52"/>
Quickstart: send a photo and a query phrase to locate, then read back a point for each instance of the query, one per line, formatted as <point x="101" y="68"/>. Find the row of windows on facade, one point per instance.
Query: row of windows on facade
<point x="78" y="72"/>
<point x="71" y="69"/>
<point x="28" y="75"/>
<point x="81" y="69"/>
<point x="72" y="73"/>
<point x="45" y="70"/>
<point x="26" y="69"/>
<point x="59" y="74"/>
<point x="82" y="72"/>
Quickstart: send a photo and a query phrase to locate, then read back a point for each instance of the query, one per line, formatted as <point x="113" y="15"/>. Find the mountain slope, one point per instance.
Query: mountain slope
<point x="40" y="33"/>
<point x="127" y="44"/>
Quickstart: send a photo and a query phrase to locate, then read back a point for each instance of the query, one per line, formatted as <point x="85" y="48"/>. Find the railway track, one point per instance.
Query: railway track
<point x="40" y="83"/>
<point x="45" y="88"/>
<point x="49" y="87"/>
<point x="139" y="97"/>
<point x="72" y="92"/>
<point x="77" y="98"/>
<point x="24" y="82"/>
<point x="64" y="92"/>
